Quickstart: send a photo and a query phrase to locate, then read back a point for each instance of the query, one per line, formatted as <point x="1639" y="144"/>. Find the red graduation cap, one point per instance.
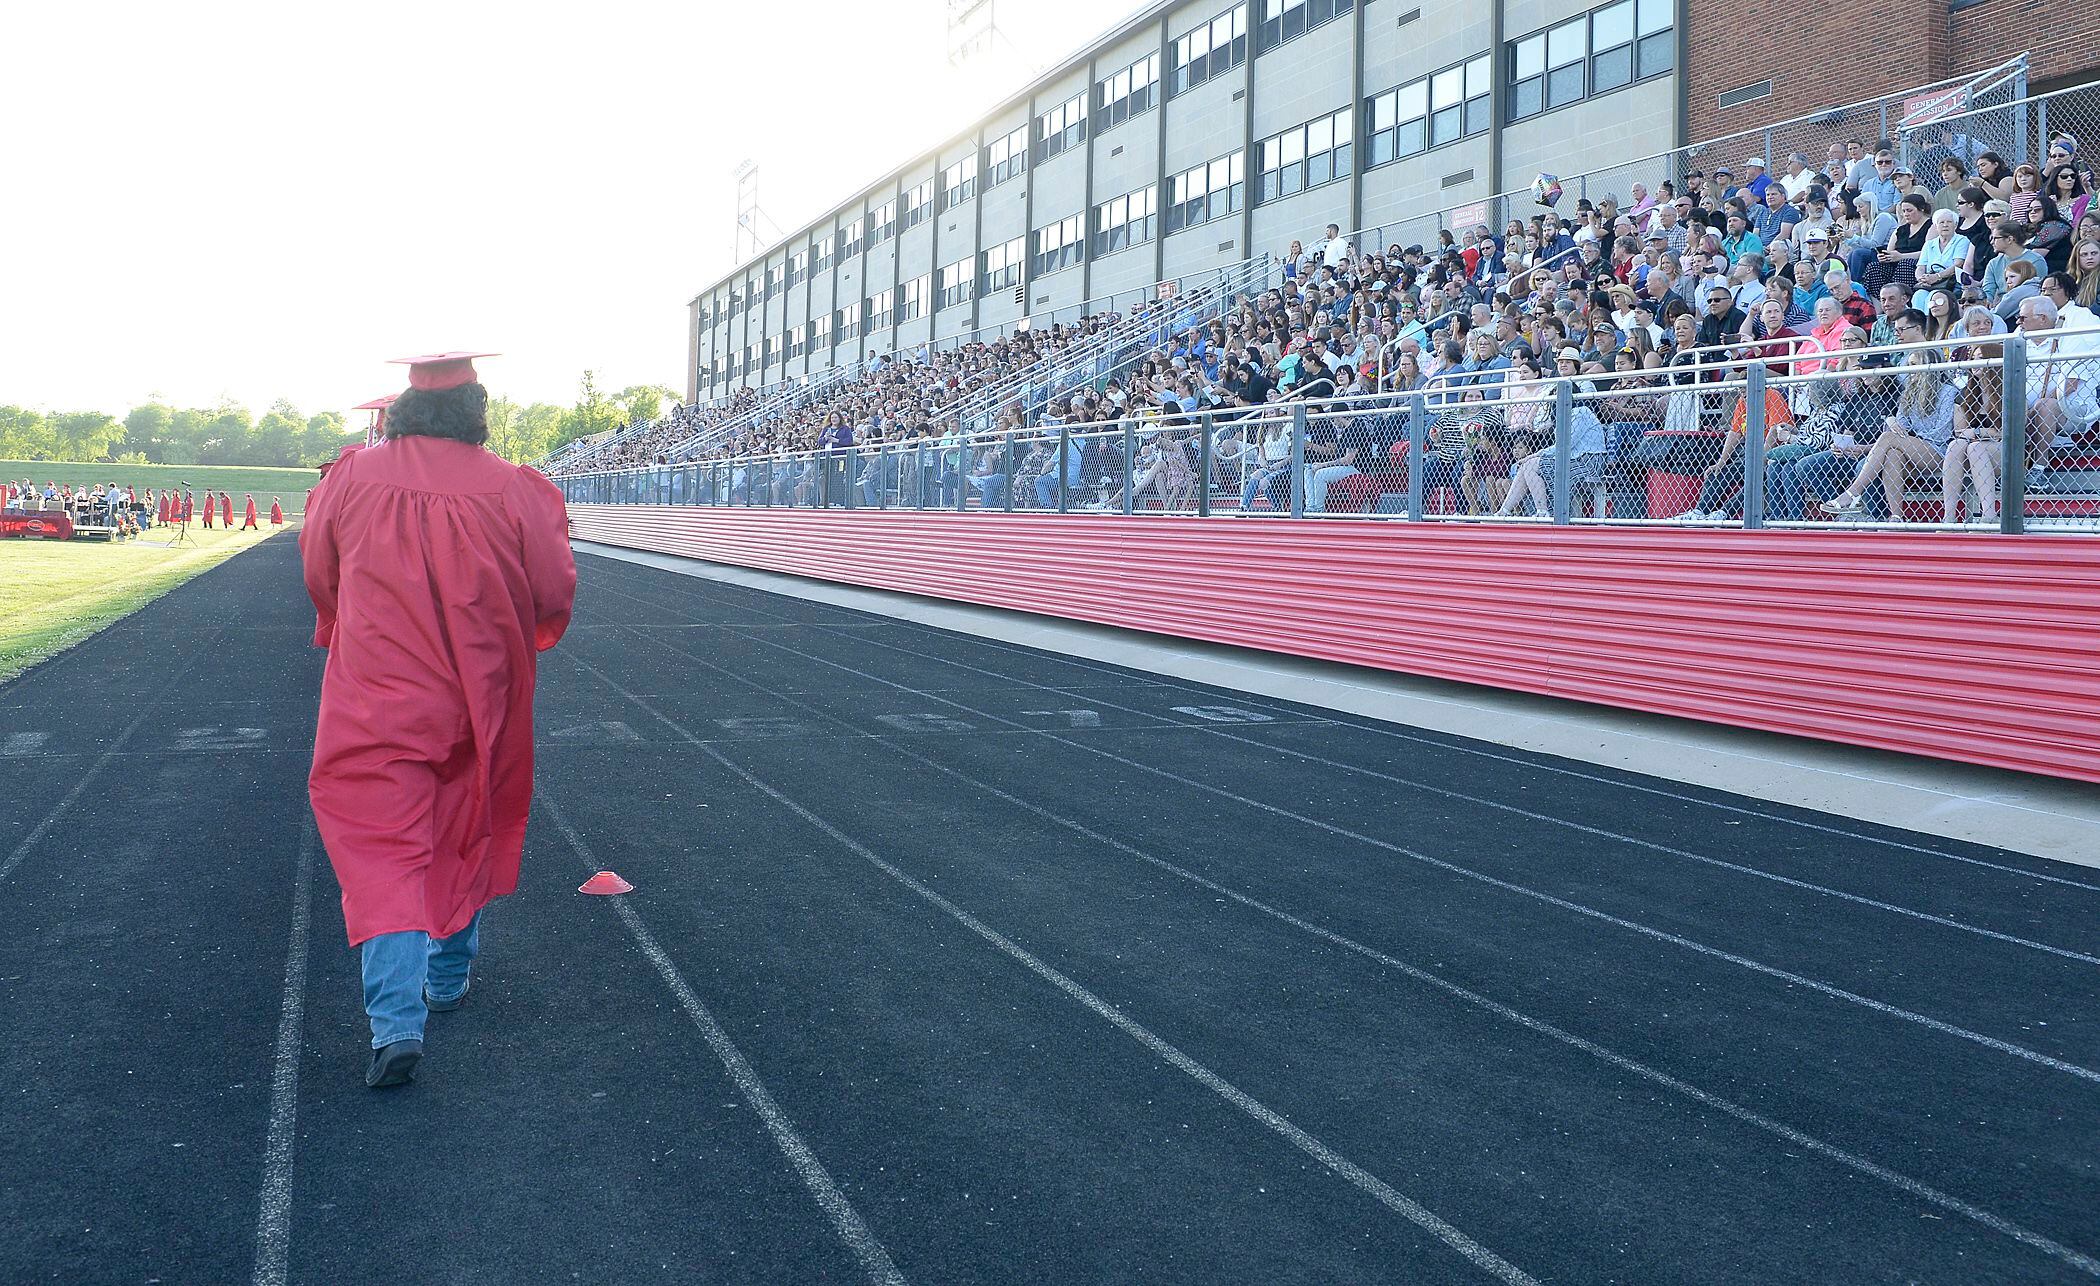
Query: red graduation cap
<point x="441" y="370"/>
<point x="377" y="403"/>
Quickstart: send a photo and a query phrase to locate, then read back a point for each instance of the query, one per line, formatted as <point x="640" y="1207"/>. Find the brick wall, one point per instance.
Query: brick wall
<point x="2062" y="40"/>
<point x="1907" y="42"/>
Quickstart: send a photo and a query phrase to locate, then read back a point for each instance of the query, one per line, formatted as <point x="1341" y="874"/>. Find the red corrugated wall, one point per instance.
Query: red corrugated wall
<point x="1978" y="648"/>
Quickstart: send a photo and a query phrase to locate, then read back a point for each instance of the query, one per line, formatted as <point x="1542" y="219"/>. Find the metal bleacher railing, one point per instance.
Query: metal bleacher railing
<point x="1996" y="433"/>
<point x="1904" y="118"/>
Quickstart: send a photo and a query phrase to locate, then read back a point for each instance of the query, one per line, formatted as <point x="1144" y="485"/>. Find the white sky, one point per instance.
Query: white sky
<point x="255" y="200"/>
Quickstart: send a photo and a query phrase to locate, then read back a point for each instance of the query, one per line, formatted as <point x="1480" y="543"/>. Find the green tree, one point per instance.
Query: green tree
<point x="642" y="402"/>
<point x="146" y="431"/>
<point x="226" y="435"/>
<point x="26" y="435"/>
<point x="323" y="437"/>
<point x="277" y="435"/>
<point x="86" y="435"/>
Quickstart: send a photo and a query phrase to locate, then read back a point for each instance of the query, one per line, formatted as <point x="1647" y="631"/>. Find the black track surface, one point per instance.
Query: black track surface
<point x="981" y="964"/>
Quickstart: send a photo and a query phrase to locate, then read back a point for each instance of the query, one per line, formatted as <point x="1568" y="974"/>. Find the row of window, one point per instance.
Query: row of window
<point x="1205" y="192"/>
<point x="1061" y="127"/>
<point x="1125" y="221"/>
<point x="1440" y="108"/>
<point x="1006" y="157"/>
<point x="1210" y="50"/>
<point x="959" y="182"/>
<point x="1306" y="156"/>
<point x="1128" y="92"/>
<point x="1287" y="19"/>
<point x="1595" y="53"/>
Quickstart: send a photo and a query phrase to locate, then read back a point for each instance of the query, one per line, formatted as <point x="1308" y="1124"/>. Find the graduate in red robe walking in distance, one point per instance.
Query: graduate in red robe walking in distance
<point x="226" y="509"/>
<point x="248" y="516"/>
<point x="276" y="512"/>
<point x="438" y="571"/>
<point x="166" y="512"/>
<point x="210" y="503"/>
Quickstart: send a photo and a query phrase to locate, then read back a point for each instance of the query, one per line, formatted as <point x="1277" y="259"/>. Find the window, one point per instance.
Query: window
<point x="918" y="206"/>
<point x="1567" y="49"/>
<point x="847" y="322"/>
<point x="826" y="252"/>
<point x="959" y="182"/>
<point x="1130" y="91"/>
<point x="1604" y="50"/>
<point x="911" y="297"/>
<point x="775" y="274"/>
<point x="1218" y="46"/>
<point x="1002" y="265"/>
<point x="849" y="239"/>
<point x="1205" y="192"/>
<point x="1005" y="157"/>
<point x="1656" y="51"/>
<point x="820" y="333"/>
<point x="797" y="341"/>
<point x="878" y="310"/>
<point x="958" y="282"/>
<point x="1060" y="245"/>
<point x="1319" y="151"/>
<point x="882" y="225"/>
<point x="772" y="349"/>
<point x="1061" y="127"/>
<point x="1124" y="221"/>
<point x="1284" y="19"/>
<point x="798" y="267"/>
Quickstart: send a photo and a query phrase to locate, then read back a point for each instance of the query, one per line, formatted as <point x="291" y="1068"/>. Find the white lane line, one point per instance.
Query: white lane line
<point x="43" y="827"/>
<point x="851" y="1228"/>
<point x="273" y="1220"/>
<point x="1462" y="745"/>
<point x="1422" y="1217"/>
<point x="1779" y="1129"/>
<point x="1600" y="832"/>
<point x="1660" y="935"/>
<point x="1456" y="743"/>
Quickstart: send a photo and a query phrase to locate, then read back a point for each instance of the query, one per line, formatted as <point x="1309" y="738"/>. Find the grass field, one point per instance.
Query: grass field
<point x="54" y="593"/>
<point x="288" y="484"/>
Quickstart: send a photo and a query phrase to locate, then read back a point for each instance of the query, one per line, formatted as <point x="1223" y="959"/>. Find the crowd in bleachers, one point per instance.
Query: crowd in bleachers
<point x="1642" y="300"/>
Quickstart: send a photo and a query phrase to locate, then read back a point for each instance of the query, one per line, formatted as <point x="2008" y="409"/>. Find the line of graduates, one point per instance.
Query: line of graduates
<point x="181" y="506"/>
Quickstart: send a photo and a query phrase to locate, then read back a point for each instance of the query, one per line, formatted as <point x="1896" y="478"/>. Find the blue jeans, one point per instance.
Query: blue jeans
<point x="400" y="967"/>
<point x="1814" y="479"/>
<point x="1046" y="487"/>
<point x="992" y="487"/>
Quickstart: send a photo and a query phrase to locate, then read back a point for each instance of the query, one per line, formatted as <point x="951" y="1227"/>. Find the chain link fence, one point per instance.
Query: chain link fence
<point x="1998" y="431"/>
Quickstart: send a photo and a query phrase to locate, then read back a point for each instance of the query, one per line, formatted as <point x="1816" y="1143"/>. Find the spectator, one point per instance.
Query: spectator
<point x="1942" y="258"/>
<point x="1913" y="439"/>
<point x="1994" y="177"/>
<point x="1976" y="443"/>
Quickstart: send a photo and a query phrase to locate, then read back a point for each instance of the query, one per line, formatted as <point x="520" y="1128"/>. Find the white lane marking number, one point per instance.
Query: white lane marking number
<point x="215" y="738"/>
<point x="1075" y="718"/>
<point x="1222" y="714"/>
<point x="764" y="726"/>
<point x="605" y="732"/>
<point x="924" y="723"/>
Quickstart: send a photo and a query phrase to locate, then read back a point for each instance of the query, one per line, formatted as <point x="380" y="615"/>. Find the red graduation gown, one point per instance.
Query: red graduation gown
<point x="248" y="514"/>
<point x="166" y="503"/>
<point x="209" y="505"/>
<point x="276" y="514"/>
<point x="438" y="573"/>
<point x="226" y="509"/>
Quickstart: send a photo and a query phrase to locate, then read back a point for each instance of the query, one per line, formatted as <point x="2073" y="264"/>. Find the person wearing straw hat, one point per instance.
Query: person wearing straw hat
<point x="438" y="572"/>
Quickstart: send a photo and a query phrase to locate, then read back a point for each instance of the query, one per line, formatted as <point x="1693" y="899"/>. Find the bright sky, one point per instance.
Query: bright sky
<point x="255" y="200"/>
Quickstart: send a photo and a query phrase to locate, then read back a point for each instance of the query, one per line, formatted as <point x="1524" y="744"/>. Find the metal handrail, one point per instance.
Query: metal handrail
<point x="1345" y="406"/>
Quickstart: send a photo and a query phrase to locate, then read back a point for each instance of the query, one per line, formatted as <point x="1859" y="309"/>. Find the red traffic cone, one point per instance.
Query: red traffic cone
<point x="605" y="884"/>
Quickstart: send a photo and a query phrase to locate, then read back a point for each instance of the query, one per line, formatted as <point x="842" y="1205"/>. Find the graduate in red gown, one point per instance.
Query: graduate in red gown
<point x="438" y="572"/>
<point x="276" y="512"/>
<point x="210" y="502"/>
<point x="166" y="509"/>
<point x="248" y="515"/>
<point x="226" y="509"/>
<point x="189" y="505"/>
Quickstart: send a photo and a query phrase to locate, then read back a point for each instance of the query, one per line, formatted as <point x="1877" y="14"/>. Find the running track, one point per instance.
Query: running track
<point x="958" y="962"/>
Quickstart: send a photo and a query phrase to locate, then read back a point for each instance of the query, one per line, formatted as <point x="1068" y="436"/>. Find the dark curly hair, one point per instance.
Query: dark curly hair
<point x="461" y="414"/>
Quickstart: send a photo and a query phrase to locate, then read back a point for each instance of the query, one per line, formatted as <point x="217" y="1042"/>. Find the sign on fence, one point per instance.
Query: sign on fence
<point x="1469" y="216"/>
<point x="1924" y="109"/>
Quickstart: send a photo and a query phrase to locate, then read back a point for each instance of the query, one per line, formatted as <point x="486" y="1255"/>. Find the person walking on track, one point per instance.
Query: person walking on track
<point x="248" y="514"/>
<point x="438" y="572"/>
